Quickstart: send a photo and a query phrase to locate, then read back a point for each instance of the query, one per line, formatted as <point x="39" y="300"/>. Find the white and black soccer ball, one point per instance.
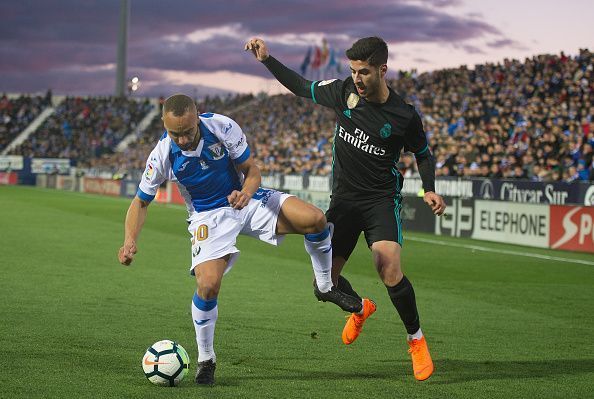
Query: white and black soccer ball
<point x="165" y="363"/>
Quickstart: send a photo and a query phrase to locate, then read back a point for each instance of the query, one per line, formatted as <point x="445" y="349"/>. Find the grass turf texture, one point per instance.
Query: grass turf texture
<point x="75" y="323"/>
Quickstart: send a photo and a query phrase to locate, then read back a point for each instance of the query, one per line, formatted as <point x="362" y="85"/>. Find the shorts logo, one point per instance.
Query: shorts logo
<point x="217" y="151"/>
<point x="352" y="101"/>
<point x="263" y="196"/>
<point x="196" y="252"/>
<point x="386" y="131"/>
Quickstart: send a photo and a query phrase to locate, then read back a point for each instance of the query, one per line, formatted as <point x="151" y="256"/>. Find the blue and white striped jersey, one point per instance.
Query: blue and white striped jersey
<point x="206" y="176"/>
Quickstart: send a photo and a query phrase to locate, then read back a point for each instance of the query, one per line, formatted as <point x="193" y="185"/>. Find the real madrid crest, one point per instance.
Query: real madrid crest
<point x="352" y="101"/>
<point x="386" y="131"/>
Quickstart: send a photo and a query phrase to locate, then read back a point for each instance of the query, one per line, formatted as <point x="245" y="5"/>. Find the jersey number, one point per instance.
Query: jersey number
<point x="201" y="233"/>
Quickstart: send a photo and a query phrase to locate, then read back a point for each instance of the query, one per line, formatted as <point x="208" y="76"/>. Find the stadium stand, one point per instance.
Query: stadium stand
<point x="526" y="120"/>
<point x="17" y="113"/>
<point x="84" y="129"/>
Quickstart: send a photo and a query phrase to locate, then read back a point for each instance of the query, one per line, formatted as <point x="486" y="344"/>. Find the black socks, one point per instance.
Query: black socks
<point x="403" y="298"/>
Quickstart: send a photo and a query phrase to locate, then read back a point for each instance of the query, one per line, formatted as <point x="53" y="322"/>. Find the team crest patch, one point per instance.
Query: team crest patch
<point x="217" y="151"/>
<point x="386" y="131"/>
<point x="352" y="101"/>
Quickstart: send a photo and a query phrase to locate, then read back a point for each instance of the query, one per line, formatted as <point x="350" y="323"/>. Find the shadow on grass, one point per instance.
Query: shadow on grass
<point x="446" y="371"/>
<point x="454" y="371"/>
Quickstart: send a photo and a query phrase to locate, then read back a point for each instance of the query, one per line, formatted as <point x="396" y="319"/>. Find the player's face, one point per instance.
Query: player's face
<point x="367" y="78"/>
<point x="183" y="130"/>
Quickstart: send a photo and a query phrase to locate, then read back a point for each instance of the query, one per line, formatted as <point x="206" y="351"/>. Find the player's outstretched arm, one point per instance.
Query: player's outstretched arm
<point x="251" y="183"/>
<point x="134" y="221"/>
<point x="296" y="83"/>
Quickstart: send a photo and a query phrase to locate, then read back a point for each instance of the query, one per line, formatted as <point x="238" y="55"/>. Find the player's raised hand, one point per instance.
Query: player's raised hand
<point x="126" y="253"/>
<point x="258" y="48"/>
<point x="435" y="201"/>
<point x="238" y="199"/>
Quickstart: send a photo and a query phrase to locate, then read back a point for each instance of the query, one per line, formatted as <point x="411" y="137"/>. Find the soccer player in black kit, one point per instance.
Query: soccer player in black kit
<point x="374" y="125"/>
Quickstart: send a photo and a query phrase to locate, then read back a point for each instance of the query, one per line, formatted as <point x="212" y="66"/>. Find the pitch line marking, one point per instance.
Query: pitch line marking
<point x="501" y="251"/>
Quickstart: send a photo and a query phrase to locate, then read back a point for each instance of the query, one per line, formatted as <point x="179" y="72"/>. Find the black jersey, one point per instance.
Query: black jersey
<point x="368" y="139"/>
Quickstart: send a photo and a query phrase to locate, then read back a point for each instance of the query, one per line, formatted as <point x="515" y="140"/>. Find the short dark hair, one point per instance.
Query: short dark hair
<point x="179" y="104"/>
<point x="373" y="49"/>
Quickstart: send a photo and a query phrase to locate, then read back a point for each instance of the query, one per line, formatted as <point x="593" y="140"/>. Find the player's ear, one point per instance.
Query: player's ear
<point x="383" y="70"/>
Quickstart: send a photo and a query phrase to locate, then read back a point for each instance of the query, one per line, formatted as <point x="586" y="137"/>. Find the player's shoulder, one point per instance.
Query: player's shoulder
<point x="398" y="106"/>
<point x="161" y="150"/>
<point x="218" y="124"/>
<point x="335" y="88"/>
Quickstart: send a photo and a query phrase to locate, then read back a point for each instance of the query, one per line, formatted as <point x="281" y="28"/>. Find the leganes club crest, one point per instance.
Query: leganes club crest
<point x="217" y="151"/>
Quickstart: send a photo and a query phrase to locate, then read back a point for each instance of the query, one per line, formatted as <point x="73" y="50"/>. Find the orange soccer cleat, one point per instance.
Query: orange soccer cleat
<point x="421" y="359"/>
<point x="354" y="324"/>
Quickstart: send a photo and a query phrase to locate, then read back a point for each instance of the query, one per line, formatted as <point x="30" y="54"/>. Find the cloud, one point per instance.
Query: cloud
<point x="49" y="39"/>
<point x="502" y="43"/>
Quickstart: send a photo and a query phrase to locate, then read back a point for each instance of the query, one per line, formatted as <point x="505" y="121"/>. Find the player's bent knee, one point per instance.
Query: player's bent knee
<point x="319" y="221"/>
<point x="208" y="289"/>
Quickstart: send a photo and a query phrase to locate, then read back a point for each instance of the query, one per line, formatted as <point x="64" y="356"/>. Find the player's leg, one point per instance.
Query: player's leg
<point x="345" y="218"/>
<point x="299" y="217"/>
<point x="213" y="236"/>
<point x="205" y="312"/>
<point x="384" y="236"/>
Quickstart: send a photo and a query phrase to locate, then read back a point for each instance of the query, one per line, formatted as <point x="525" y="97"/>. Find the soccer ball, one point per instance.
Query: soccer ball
<point x="165" y="363"/>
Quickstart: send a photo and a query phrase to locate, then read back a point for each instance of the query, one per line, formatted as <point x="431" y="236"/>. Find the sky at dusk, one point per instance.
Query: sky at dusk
<point x="190" y="46"/>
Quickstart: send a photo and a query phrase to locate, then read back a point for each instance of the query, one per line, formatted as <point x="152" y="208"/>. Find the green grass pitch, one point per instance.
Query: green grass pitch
<point x="75" y="323"/>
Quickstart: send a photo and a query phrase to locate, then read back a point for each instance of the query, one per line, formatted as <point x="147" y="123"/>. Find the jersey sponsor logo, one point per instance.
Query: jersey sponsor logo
<point x="183" y="166"/>
<point x="231" y="144"/>
<point x="360" y="139"/>
<point x="352" y="101"/>
<point x="325" y="82"/>
<point x="217" y="151"/>
<point x="386" y="131"/>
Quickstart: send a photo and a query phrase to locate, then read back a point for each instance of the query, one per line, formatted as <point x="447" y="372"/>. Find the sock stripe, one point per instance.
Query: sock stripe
<point x="317" y="237"/>
<point x="202" y="304"/>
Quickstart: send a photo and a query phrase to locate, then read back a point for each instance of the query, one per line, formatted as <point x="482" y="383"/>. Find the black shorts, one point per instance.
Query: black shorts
<point x="379" y="219"/>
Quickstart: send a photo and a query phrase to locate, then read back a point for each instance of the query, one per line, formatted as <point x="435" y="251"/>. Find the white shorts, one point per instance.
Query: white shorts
<point x="214" y="233"/>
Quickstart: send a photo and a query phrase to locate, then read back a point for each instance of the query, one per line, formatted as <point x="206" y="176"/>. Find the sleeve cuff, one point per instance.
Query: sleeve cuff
<point x="144" y="196"/>
<point x="423" y="151"/>
<point x="243" y="157"/>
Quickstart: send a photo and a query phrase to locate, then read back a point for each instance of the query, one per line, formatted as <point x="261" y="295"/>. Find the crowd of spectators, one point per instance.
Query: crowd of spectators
<point x="17" y="113"/>
<point x="531" y="120"/>
<point x="85" y="129"/>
